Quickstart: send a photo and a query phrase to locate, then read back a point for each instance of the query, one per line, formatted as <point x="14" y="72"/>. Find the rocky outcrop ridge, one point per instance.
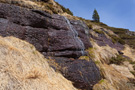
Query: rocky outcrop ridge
<point x="54" y="36"/>
<point x="51" y="35"/>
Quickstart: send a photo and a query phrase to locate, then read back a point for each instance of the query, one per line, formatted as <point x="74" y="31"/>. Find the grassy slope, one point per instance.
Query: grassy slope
<point x="125" y="36"/>
<point x="51" y="7"/>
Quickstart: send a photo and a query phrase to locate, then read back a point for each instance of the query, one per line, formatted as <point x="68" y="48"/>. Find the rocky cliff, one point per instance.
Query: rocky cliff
<point x="60" y="40"/>
<point x="84" y="52"/>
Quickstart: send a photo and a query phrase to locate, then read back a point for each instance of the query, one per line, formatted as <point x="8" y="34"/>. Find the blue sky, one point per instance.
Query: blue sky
<point x="116" y="13"/>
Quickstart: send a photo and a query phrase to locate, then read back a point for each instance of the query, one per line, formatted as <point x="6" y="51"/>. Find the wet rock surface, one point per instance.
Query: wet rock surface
<point x="83" y="32"/>
<point x="53" y="35"/>
<point x="49" y="33"/>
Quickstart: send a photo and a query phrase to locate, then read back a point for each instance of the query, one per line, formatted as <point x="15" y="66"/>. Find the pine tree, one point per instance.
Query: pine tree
<point x="95" y="16"/>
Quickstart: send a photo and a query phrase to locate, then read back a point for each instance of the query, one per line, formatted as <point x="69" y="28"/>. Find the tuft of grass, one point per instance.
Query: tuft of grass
<point x="116" y="39"/>
<point x="98" y="31"/>
<point x="118" y="60"/>
<point x="97" y="62"/>
<point x="131" y="62"/>
<point x="91" y="52"/>
<point x="90" y="26"/>
<point x="101" y="81"/>
<point x="50" y="7"/>
<point x="84" y="57"/>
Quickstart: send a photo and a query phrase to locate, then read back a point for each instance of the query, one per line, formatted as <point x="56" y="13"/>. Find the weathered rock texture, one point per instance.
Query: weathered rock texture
<point x="22" y="67"/>
<point x="102" y="40"/>
<point x="114" y="77"/>
<point x="54" y="36"/>
<point x="50" y="34"/>
<point x="77" y="71"/>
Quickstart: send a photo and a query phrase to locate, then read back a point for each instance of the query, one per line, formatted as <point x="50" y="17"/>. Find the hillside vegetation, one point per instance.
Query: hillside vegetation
<point x="124" y="35"/>
<point x="92" y="55"/>
<point x="49" y="6"/>
<point x="24" y="68"/>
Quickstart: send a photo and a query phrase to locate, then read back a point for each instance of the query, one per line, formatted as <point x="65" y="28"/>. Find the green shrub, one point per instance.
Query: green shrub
<point x="68" y="11"/>
<point x="91" y="52"/>
<point x="84" y="58"/>
<point x="97" y="62"/>
<point x="131" y="62"/>
<point x="117" y="60"/>
<point x="101" y="81"/>
<point x="116" y="39"/>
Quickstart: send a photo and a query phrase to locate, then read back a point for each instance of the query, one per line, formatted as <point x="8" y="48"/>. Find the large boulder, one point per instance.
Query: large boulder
<point x="84" y="74"/>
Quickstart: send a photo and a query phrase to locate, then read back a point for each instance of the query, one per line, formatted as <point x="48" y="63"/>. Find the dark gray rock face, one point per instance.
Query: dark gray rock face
<point x="48" y="33"/>
<point x="83" y="32"/>
<point x="102" y="40"/>
<point x="55" y="36"/>
<point x="78" y="71"/>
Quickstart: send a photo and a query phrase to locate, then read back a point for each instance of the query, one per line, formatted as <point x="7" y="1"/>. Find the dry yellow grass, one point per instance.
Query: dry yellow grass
<point x="36" y="5"/>
<point x="113" y="79"/>
<point x="129" y="52"/>
<point x="24" y="3"/>
<point x="24" y="68"/>
<point x="104" y="53"/>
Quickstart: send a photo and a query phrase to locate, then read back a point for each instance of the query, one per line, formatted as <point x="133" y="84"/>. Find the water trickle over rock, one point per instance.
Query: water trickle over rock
<point x="54" y="36"/>
<point x="75" y="35"/>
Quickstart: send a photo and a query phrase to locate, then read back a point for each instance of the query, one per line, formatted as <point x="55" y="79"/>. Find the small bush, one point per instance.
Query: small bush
<point x="101" y="81"/>
<point x="97" y="62"/>
<point x="68" y="11"/>
<point x="91" y="53"/>
<point x="84" y="58"/>
<point x="90" y="26"/>
<point x="116" y="39"/>
<point x="117" y="60"/>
